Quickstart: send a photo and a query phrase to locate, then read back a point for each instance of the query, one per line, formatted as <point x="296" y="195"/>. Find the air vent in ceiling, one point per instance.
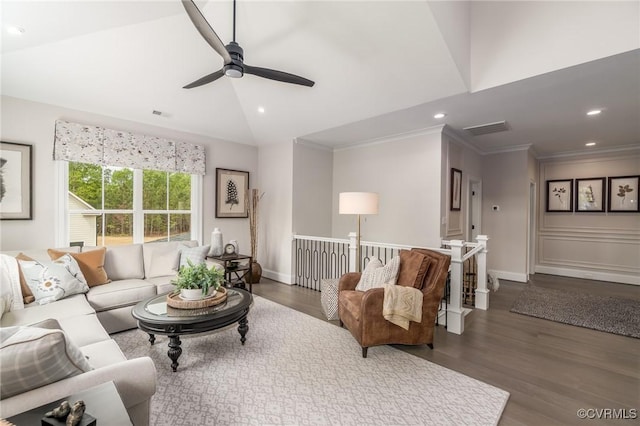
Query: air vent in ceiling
<point x="485" y="129"/>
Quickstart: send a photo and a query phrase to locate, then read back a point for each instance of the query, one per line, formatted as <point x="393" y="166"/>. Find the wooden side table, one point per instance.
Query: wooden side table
<point x="103" y="402"/>
<point x="236" y="276"/>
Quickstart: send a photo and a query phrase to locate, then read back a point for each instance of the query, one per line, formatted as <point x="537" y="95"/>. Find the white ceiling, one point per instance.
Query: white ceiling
<point x="380" y="67"/>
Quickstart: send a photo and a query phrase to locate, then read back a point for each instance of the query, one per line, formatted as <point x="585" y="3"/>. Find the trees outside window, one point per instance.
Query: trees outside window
<point x="104" y="208"/>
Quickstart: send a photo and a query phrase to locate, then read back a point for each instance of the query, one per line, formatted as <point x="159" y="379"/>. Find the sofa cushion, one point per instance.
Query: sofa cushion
<point x="161" y="259"/>
<point x="33" y="313"/>
<point x="53" y="280"/>
<point x="91" y="264"/>
<point x="101" y="354"/>
<point x="413" y="268"/>
<point x="376" y="275"/>
<point x="83" y="330"/>
<point x="119" y="293"/>
<point x="124" y="262"/>
<point x="194" y="254"/>
<point x="163" y="284"/>
<point x="32" y="357"/>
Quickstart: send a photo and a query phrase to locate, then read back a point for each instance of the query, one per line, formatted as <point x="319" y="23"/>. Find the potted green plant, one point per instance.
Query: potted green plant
<point x="196" y="282"/>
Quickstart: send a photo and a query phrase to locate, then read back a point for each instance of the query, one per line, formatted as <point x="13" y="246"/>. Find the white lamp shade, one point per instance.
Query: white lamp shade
<point x="358" y="203"/>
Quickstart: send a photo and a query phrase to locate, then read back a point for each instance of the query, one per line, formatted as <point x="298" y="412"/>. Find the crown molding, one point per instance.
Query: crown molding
<point x="590" y="153"/>
<point x="315" y="145"/>
<point x="450" y="132"/>
<point x="395" y="137"/>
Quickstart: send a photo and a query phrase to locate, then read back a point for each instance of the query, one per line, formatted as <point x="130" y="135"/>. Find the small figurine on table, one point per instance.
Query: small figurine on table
<point x="69" y="415"/>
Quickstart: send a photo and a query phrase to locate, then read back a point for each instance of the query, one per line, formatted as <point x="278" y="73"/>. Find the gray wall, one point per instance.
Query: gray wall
<point x="312" y="190"/>
<point x="406" y="173"/>
<point x="276" y="209"/>
<point x="33" y="123"/>
<point x="505" y="183"/>
<point x="603" y="246"/>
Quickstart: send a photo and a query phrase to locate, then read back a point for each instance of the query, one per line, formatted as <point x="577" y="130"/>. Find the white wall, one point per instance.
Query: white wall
<point x="276" y="216"/>
<point x="509" y="43"/>
<point x="458" y="155"/>
<point x="312" y="190"/>
<point x="604" y="246"/>
<point x="405" y="172"/>
<point x="33" y="123"/>
<point x="505" y="183"/>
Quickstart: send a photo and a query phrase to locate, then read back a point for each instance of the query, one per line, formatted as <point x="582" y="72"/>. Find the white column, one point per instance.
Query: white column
<point x="455" y="314"/>
<point x="482" y="293"/>
<point x="353" y="253"/>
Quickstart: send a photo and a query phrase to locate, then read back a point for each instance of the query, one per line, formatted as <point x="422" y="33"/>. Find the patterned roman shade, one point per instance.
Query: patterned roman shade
<point x="108" y="147"/>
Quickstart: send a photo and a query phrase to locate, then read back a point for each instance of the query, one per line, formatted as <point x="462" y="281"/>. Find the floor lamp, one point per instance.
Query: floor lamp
<point x="358" y="203"/>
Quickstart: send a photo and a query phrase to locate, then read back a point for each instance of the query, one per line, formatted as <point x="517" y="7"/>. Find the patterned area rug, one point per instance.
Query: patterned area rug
<point x="298" y="370"/>
<point x="610" y="314"/>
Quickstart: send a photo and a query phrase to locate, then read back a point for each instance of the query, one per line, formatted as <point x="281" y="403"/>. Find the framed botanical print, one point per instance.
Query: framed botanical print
<point x="15" y="181"/>
<point x="232" y="187"/>
<point x="590" y="194"/>
<point x="623" y="194"/>
<point x="560" y="195"/>
<point x="456" y="189"/>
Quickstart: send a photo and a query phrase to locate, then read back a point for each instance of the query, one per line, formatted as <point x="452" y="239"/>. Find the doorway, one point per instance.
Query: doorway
<point x="474" y="218"/>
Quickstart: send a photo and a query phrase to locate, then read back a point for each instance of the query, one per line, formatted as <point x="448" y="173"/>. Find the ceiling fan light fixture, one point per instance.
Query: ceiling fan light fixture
<point x="233" y="71"/>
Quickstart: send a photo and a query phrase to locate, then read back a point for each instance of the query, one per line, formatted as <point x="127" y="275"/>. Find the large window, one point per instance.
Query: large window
<point x="116" y="205"/>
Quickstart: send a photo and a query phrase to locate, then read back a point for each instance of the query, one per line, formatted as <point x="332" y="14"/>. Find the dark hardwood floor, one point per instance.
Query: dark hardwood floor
<point x="550" y="369"/>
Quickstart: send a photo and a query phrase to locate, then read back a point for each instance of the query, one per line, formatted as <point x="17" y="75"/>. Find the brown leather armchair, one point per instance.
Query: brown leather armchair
<point x="361" y="312"/>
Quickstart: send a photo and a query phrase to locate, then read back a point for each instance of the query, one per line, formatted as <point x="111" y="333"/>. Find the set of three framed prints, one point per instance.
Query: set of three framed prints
<point x="617" y="194"/>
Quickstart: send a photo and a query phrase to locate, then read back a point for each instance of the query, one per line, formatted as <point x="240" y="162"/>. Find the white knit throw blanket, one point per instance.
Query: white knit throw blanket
<point x="401" y="305"/>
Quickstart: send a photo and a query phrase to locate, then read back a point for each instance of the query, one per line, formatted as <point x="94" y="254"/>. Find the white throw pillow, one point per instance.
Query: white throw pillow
<point x="54" y="280"/>
<point x="32" y="357"/>
<point x="10" y="292"/>
<point x="195" y="254"/>
<point x="376" y="275"/>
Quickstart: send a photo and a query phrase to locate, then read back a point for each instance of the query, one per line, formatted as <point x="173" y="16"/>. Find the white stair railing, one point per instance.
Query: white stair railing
<point x="317" y="258"/>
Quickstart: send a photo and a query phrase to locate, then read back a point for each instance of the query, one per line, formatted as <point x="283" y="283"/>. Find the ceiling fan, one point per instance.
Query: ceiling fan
<point x="232" y="54"/>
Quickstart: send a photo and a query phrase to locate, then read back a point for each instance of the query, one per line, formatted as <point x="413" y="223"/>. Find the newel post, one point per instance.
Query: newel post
<point x="455" y="314"/>
<point x="353" y="245"/>
<point x="482" y="293"/>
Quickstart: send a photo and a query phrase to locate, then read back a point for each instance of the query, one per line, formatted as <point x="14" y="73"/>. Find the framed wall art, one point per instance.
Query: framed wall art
<point x="623" y="194"/>
<point x="560" y="195"/>
<point x="15" y="181"/>
<point x="231" y="189"/>
<point x="590" y="194"/>
<point x="456" y="189"/>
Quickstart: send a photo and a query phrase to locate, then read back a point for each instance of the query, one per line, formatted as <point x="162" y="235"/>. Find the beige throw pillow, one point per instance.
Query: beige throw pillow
<point x="377" y="275"/>
<point x="91" y="264"/>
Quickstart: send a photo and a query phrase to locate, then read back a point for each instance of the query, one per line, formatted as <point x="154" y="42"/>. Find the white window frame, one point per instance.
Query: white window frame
<point x="61" y="175"/>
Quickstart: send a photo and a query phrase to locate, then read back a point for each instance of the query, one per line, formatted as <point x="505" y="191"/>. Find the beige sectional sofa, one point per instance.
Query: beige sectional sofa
<point x="136" y="271"/>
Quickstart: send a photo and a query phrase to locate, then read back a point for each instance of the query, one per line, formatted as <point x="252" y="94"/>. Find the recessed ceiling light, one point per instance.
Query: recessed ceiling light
<point x="440" y="115"/>
<point x="594" y="112"/>
<point x="15" y="31"/>
<point x="590" y="144"/>
<point x="261" y="110"/>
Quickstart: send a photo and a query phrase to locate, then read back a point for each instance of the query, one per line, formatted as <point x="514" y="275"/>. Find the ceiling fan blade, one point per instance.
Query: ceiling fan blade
<point x="206" y="79"/>
<point x="205" y="30"/>
<point x="277" y="75"/>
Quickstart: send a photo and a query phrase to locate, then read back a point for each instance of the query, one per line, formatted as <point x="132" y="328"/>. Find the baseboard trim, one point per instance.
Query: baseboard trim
<point x="278" y="276"/>
<point x="511" y="276"/>
<point x="589" y="275"/>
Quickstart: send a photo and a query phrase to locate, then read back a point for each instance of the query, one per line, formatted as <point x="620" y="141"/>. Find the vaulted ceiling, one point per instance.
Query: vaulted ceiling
<point x="380" y="67"/>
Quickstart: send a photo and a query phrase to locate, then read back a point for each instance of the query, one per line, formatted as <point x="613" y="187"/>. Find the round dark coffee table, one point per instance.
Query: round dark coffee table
<point x="155" y="317"/>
